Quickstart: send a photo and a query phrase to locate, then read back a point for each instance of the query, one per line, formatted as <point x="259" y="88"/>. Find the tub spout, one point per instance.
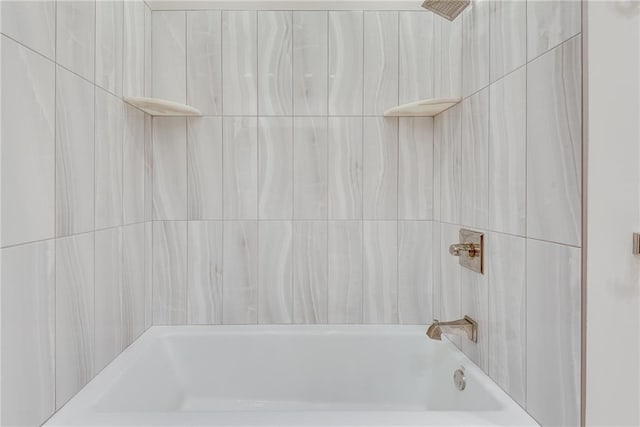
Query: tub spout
<point x="464" y="327"/>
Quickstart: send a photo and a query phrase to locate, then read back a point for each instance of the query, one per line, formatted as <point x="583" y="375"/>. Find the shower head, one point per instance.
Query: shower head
<point x="448" y="9"/>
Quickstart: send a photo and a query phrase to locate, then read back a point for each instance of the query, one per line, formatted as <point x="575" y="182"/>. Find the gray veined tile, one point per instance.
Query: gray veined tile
<point x="275" y="270"/>
<point x="168" y="56"/>
<point x="345" y="272"/>
<point x="507" y="313"/>
<point x="448" y="58"/>
<point x="109" y="47"/>
<point x="448" y="141"/>
<point x="437" y="148"/>
<point x="380" y="168"/>
<point x="550" y="23"/>
<point x="169" y="272"/>
<point x="310" y="168"/>
<point x="380" y="278"/>
<point x="32" y="23"/>
<point x="74" y="154"/>
<point x="344" y="154"/>
<point x="416" y="56"/>
<point x="133" y="282"/>
<point x="275" y="167"/>
<point x="310" y="63"/>
<point x="108" y="160"/>
<point x="415" y="168"/>
<point x="75" y="36"/>
<point x="275" y="63"/>
<point x="474" y="162"/>
<point x="239" y="62"/>
<point x="437" y="268"/>
<point x="553" y="354"/>
<point x="380" y="61"/>
<point x="310" y="286"/>
<point x="554" y="145"/>
<point x="28" y="152"/>
<point x="148" y="64"/>
<point x="169" y="168"/>
<point x="415" y="272"/>
<point x="240" y="266"/>
<point x="148" y="274"/>
<point x="204" y="147"/>
<point x="475" y="47"/>
<point x="204" y="271"/>
<point x="204" y="61"/>
<point x="28" y="333"/>
<point x="507" y="153"/>
<point x="74" y="315"/>
<point x="449" y="274"/>
<point x="134" y="166"/>
<point x="346" y="53"/>
<point x="148" y="167"/>
<point x="508" y="36"/>
<point x="240" y="151"/>
<point x="108" y="296"/>
<point x="133" y="56"/>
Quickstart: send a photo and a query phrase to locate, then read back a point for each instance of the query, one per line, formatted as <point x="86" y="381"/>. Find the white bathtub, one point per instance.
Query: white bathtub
<point x="286" y="376"/>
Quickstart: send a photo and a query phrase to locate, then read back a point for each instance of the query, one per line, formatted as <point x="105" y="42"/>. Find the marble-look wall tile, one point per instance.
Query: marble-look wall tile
<point x="204" y="271"/>
<point x="345" y="272"/>
<point x="507" y="153"/>
<point x="310" y="63"/>
<point x="275" y="167"/>
<point x="204" y="152"/>
<point x="310" y="286"/>
<point x="28" y="157"/>
<point x="148" y="64"/>
<point x="240" y="63"/>
<point x="148" y="167"/>
<point x="108" y="296"/>
<point x="133" y="56"/>
<point x="436" y="264"/>
<point x="380" y="61"/>
<point x="550" y="23"/>
<point x="75" y="36"/>
<point x="109" y="47"/>
<point x="474" y="161"/>
<point x="553" y="354"/>
<point x="450" y="302"/>
<point x="475" y="47"/>
<point x="415" y="168"/>
<point x="108" y="159"/>
<point x="74" y="154"/>
<point x="133" y="166"/>
<point x="380" y="168"/>
<point x="474" y="294"/>
<point x="204" y="61"/>
<point x="508" y="36"/>
<point x="275" y="270"/>
<point x="346" y="53"/>
<point x="310" y="168"/>
<point x="437" y="158"/>
<point x="448" y="140"/>
<point x="415" y="272"/>
<point x="169" y="272"/>
<point x="28" y="328"/>
<point x="240" y="266"/>
<point x="133" y="286"/>
<point x="74" y="315"/>
<point x="507" y="313"/>
<point x="32" y="23"/>
<point x="416" y="55"/>
<point x="448" y="58"/>
<point x="169" y="168"/>
<point x="275" y="63"/>
<point x="240" y="151"/>
<point x="344" y="155"/>
<point x="380" y="278"/>
<point x="554" y="145"/>
<point x="148" y="274"/>
<point x="168" y="55"/>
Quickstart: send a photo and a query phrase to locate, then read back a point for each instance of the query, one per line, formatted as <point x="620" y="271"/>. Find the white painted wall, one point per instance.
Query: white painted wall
<point x="613" y="212"/>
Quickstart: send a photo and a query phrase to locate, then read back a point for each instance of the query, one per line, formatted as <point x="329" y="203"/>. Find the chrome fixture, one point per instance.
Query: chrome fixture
<point x="448" y="9"/>
<point x="636" y="243"/>
<point x="459" y="380"/>
<point x="470" y="250"/>
<point x="461" y="327"/>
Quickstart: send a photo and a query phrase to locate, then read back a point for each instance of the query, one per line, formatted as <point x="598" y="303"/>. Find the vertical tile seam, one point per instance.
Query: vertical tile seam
<point x="397" y="174"/>
<point x="525" y="339"/>
<point x="364" y="318"/>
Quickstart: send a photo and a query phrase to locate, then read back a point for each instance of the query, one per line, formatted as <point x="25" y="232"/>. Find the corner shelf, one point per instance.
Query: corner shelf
<point x="423" y="108"/>
<point x="161" y="107"/>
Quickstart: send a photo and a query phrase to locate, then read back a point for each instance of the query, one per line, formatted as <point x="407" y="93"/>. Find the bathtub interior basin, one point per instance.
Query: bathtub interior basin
<point x="289" y="375"/>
